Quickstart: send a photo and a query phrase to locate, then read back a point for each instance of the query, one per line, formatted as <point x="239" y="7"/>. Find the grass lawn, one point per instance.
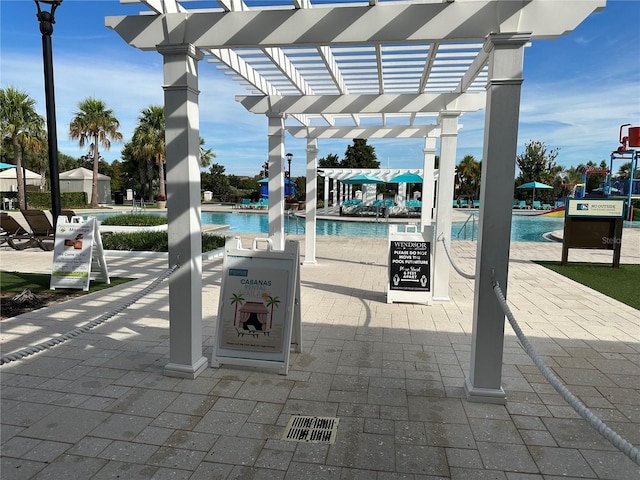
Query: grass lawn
<point x="39" y="282"/>
<point x="622" y="284"/>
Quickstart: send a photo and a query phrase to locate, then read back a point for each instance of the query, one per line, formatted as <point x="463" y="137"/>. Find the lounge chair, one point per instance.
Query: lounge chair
<point x="476" y="204"/>
<point x="42" y="229"/>
<point x="537" y="205"/>
<point x="13" y="233"/>
<point x="522" y="205"/>
<point x="546" y="206"/>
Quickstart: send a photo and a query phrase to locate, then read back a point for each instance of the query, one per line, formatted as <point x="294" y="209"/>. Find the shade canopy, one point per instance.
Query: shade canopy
<point x="534" y="185"/>
<point x="6" y="165"/>
<point x="406" y="178"/>
<point x="361" y="179"/>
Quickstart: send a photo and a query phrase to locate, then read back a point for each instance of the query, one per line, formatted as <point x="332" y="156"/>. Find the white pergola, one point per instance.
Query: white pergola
<point x="357" y="69"/>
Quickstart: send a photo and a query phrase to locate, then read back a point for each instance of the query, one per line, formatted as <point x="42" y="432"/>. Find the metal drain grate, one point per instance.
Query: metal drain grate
<point x="309" y="429"/>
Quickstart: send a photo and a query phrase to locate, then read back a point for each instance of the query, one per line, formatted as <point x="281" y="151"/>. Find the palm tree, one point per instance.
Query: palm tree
<point x="236" y="300"/>
<point x="94" y="123"/>
<point x="272" y="302"/>
<point x="206" y="155"/>
<point x="22" y="127"/>
<point x="468" y="175"/>
<point x="149" y="141"/>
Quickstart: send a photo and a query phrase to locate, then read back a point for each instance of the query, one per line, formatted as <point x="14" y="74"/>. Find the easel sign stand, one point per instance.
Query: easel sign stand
<point x="259" y="309"/>
<point x="410" y="265"/>
<point x="78" y="255"/>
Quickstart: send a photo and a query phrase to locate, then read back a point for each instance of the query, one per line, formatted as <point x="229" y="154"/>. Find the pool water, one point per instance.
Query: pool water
<point x="524" y="228"/>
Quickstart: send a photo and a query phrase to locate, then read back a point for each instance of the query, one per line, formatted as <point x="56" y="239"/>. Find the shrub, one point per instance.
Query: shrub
<point x="152" y="242"/>
<point x="135" y="220"/>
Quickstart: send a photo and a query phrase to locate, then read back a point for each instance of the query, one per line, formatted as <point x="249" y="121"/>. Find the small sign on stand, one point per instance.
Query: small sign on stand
<point x="78" y="255"/>
<point x="593" y="223"/>
<point x="259" y="309"/>
<point x="410" y="265"/>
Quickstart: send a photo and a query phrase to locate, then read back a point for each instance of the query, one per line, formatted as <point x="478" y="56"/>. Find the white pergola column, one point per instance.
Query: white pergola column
<point x="182" y="139"/>
<point x="311" y="201"/>
<point x="448" y="143"/>
<point x="506" y="57"/>
<point x="428" y="181"/>
<point x="276" y="179"/>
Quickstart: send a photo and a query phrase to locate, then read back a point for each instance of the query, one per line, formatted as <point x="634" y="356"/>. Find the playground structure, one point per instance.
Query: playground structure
<point x="616" y="187"/>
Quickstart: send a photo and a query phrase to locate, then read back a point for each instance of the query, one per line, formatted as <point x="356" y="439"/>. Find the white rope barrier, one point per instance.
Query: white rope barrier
<point x="581" y="409"/>
<point x="453" y="264"/>
<point x="30" y="350"/>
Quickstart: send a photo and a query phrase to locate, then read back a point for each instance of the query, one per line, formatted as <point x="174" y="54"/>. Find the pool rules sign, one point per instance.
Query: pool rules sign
<point x="409" y="266"/>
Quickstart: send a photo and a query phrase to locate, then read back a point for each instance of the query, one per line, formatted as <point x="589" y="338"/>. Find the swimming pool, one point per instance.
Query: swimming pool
<point x="524" y="228"/>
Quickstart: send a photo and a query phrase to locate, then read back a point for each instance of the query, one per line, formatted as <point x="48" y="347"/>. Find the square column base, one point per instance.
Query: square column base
<point x="495" y="396"/>
<point x="186" y="371"/>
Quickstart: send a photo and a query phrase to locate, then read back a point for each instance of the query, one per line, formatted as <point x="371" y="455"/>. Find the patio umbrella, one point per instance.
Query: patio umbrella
<point x="361" y="179"/>
<point x="533" y="186"/>
<point x="406" y="178"/>
<point x="6" y="165"/>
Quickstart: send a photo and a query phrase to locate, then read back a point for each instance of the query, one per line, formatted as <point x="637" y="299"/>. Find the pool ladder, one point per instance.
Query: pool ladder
<point x="289" y="216"/>
<point x="465" y="226"/>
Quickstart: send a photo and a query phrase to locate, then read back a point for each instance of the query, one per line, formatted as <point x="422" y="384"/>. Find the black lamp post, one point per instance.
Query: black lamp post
<point x="288" y="175"/>
<point x="47" y="20"/>
<point x="289" y="158"/>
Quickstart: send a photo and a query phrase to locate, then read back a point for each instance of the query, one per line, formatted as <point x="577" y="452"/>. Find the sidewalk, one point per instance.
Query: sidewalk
<point x="98" y="405"/>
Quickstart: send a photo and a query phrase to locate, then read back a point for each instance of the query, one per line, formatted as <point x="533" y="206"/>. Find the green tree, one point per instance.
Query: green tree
<point x="22" y="127"/>
<point x="468" y="176"/>
<point x="216" y="181"/>
<point x="95" y="124"/>
<point x="536" y="163"/>
<point x="206" y="155"/>
<point x="149" y="142"/>
<point x="360" y="155"/>
<point x="330" y="161"/>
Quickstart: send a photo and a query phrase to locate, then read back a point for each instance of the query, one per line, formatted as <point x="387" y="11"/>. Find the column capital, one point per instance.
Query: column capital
<point x="502" y="40"/>
<point x="183" y="49"/>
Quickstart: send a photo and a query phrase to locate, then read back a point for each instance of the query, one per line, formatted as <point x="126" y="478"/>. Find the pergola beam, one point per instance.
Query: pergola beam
<point x="364" y="104"/>
<point x="399" y="131"/>
<point x="410" y="23"/>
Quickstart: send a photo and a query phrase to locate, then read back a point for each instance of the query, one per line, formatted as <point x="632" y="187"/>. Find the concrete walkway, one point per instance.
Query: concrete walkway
<point x="99" y="407"/>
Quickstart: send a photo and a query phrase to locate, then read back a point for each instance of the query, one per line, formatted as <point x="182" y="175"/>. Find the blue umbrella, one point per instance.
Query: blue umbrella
<point x="361" y="179"/>
<point x="4" y="166"/>
<point x="406" y="178"/>
<point x="534" y="185"/>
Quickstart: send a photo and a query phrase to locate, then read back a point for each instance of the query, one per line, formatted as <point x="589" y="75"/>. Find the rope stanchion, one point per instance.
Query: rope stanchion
<point x="453" y="264"/>
<point x="30" y="350"/>
<point x="581" y="409"/>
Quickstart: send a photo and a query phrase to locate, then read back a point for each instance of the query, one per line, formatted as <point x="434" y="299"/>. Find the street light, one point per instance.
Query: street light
<point x="287" y="188"/>
<point x="289" y="158"/>
<point x="47" y="20"/>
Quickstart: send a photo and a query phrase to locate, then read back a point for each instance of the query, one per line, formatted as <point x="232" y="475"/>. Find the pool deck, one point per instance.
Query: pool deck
<point x="98" y="406"/>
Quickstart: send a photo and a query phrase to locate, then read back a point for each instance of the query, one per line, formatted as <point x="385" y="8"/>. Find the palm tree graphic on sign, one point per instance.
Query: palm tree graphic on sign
<point x="235" y="300"/>
<point x="272" y="302"/>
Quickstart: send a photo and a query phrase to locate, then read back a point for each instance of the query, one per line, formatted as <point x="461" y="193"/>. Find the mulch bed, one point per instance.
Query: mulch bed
<point x="13" y="304"/>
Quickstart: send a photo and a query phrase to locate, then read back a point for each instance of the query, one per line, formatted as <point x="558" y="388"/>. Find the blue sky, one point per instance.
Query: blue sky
<point x="578" y="89"/>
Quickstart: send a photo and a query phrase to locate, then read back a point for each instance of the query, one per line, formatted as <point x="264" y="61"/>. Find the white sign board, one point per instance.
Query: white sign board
<point x="410" y="265"/>
<point x="595" y="207"/>
<point x="259" y="307"/>
<point x="73" y="254"/>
